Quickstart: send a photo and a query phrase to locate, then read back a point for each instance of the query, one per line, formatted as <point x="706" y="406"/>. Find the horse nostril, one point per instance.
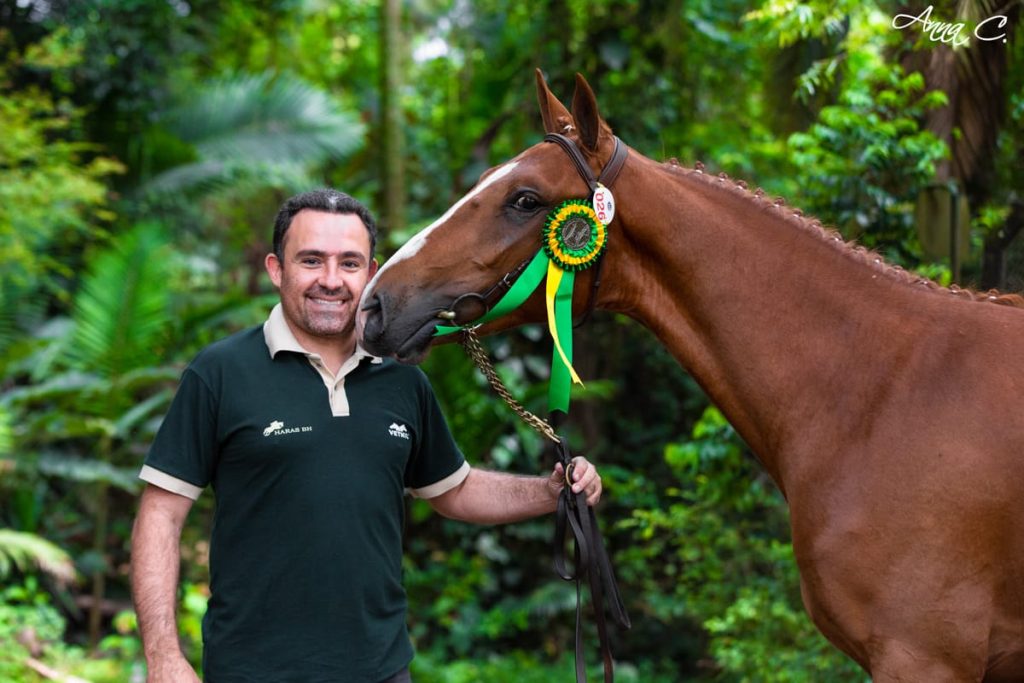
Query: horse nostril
<point x="373" y="304"/>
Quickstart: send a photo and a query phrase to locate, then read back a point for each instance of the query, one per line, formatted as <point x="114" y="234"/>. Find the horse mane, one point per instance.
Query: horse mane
<point x="855" y="251"/>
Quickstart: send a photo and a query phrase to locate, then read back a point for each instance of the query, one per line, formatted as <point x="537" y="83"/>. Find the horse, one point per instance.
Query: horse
<point x="882" y="405"/>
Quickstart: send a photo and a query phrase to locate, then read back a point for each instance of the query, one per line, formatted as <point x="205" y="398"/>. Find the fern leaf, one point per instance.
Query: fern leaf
<point x="121" y="310"/>
<point x="27" y="552"/>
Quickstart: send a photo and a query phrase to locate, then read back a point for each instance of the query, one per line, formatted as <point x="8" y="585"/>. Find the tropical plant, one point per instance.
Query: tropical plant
<point x="53" y="193"/>
<point x="28" y="552"/>
<point x="264" y="128"/>
<point x="101" y="388"/>
<point x="864" y="160"/>
<point x="719" y="555"/>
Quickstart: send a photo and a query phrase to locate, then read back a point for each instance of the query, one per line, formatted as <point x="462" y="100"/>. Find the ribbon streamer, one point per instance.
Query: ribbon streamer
<point x="558" y="297"/>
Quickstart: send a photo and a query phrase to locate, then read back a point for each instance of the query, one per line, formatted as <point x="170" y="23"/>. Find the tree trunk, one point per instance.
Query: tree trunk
<point x="392" y="152"/>
<point x="99" y="547"/>
<point x="993" y="269"/>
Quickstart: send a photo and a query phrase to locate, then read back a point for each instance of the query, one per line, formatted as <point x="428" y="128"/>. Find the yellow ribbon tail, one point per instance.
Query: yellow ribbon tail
<point x="553" y="280"/>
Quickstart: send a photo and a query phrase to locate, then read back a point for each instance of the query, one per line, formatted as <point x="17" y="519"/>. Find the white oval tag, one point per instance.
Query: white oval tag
<point x="604" y="204"/>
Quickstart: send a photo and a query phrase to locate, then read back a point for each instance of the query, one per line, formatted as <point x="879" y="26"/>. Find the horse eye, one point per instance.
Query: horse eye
<point x="526" y="202"/>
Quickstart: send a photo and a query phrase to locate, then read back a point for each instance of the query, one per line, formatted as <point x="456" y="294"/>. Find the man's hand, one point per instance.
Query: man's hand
<point x="171" y="669"/>
<point x="486" y="497"/>
<point x="584" y="476"/>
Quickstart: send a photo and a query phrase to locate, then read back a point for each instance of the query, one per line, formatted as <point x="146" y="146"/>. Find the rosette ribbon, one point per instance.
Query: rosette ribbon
<point x="573" y="239"/>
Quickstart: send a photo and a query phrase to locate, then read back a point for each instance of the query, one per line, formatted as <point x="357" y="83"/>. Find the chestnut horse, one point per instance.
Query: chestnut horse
<point x="883" y="406"/>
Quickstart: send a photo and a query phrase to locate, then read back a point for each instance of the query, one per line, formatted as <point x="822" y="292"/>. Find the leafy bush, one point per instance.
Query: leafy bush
<point x="862" y="164"/>
<point x="719" y="555"/>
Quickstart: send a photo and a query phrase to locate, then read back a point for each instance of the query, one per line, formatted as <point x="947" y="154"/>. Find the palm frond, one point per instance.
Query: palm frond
<point x="241" y="122"/>
<point x="256" y="128"/>
<point x="70" y="383"/>
<point x="87" y="470"/>
<point x="121" y="310"/>
<point x="157" y="403"/>
<point x="27" y="552"/>
<point x="211" y="176"/>
<point x="199" y="175"/>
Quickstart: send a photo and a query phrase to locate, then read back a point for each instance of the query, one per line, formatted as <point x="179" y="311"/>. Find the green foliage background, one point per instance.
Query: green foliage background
<point x="145" y="146"/>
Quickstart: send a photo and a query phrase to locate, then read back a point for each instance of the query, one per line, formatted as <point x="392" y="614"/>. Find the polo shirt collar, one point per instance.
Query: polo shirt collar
<point x="278" y="337"/>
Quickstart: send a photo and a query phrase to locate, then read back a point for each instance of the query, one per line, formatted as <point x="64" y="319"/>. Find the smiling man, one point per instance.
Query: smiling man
<point x="309" y="444"/>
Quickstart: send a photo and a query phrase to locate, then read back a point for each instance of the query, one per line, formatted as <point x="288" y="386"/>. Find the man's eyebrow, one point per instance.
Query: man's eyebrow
<point x="323" y="254"/>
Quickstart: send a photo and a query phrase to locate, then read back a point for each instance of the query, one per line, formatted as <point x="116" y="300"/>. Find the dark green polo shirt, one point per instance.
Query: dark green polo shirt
<point x="306" y="549"/>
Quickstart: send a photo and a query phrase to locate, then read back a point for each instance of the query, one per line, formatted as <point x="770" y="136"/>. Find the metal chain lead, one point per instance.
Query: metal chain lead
<point x="473" y="347"/>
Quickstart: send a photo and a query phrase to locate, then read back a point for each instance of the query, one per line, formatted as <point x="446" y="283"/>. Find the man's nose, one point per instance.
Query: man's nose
<point x="331" y="276"/>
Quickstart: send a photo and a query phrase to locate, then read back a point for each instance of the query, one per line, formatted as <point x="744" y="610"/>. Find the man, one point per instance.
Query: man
<point x="309" y="444"/>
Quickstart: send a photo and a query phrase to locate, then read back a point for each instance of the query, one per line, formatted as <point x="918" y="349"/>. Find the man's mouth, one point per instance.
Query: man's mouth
<point x="333" y="303"/>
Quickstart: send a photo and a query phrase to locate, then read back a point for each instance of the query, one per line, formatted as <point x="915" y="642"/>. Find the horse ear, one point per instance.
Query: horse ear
<point x="584" y="110"/>
<point x="556" y="117"/>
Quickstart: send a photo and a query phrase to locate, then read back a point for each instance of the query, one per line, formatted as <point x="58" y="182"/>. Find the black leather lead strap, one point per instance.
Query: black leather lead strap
<point x="591" y="562"/>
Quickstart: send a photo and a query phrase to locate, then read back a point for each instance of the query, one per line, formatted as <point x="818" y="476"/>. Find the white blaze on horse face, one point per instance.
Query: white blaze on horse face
<point x="413" y="246"/>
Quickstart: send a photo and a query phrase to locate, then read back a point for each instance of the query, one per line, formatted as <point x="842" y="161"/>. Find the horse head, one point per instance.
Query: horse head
<point x="455" y="269"/>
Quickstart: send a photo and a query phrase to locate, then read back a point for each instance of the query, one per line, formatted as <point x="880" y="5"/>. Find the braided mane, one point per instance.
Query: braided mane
<point x="855" y="251"/>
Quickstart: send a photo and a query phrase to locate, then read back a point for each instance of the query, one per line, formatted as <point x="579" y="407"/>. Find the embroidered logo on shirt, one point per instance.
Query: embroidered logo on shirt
<point x="401" y="431"/>
<point x="277" y="428"/>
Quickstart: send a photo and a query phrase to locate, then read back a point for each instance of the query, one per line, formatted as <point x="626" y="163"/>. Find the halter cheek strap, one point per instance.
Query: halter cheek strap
<point x="608" y="174"/>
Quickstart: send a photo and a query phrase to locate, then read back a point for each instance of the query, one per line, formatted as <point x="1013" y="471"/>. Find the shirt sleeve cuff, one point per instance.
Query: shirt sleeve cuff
<point x="443" y="486"/>
<point x="170" y="483"/>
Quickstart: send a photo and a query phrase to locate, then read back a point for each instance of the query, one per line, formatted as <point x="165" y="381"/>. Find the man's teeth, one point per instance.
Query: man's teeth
<point x="325" y="302"/>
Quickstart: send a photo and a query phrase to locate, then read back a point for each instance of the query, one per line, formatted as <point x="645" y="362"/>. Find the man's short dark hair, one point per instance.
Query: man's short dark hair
<point x="327" y="200"/>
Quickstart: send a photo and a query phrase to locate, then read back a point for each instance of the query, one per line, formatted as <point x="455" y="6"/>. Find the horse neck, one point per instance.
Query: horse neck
<point x="779" y="324"/>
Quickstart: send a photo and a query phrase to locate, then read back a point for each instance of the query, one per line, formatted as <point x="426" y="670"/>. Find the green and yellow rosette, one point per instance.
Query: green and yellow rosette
<point x="573" y="236"/>
<point x="573" y="239"/>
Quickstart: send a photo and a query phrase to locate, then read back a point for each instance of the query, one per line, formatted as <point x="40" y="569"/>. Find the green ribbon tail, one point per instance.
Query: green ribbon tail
<point x="520" y="291"/>
<point x="558" y="389"/>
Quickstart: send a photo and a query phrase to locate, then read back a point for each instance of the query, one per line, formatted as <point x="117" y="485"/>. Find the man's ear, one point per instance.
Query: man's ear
<point x="373" y="267"/>
<point x="273" y="266"/>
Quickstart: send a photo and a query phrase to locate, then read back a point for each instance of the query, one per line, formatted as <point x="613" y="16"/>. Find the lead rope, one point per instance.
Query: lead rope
<point x="573" y="513"/>
<point x="471" y="343"/>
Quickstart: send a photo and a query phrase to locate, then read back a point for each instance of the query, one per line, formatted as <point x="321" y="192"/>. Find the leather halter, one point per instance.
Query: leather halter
<point x="608" y="174"/>
<point x="486" y="300"/>
<point x="461" y="312"/>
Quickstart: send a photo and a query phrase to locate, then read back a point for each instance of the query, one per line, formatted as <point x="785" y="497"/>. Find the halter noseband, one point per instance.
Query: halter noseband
<point x="485" y="302"/>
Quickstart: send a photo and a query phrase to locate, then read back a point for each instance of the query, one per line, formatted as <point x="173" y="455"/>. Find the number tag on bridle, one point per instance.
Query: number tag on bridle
<point x="604" y="204"/>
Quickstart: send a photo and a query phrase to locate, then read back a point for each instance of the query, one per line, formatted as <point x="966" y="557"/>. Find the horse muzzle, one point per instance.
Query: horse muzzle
<point x="385" y="332"/>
